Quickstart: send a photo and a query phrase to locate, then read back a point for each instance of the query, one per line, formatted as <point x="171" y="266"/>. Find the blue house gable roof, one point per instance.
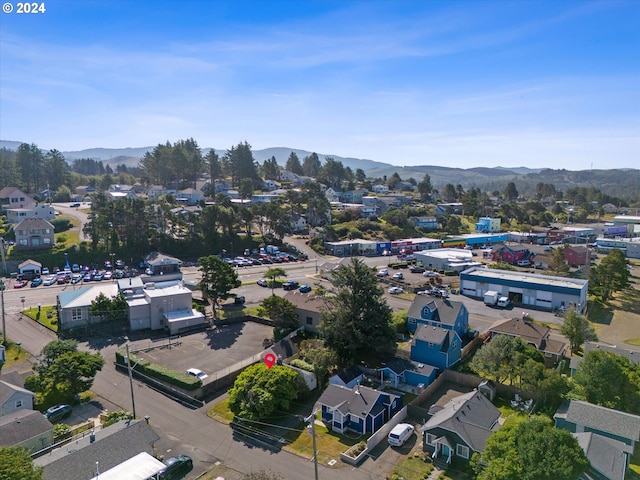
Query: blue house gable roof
<point x="442" y="313"/>
<point x="436" y="346"/>
<point x="399" y="370"/>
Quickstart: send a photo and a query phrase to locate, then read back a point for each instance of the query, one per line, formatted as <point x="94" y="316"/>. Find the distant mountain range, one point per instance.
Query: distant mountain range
<point x="624" y="183"/>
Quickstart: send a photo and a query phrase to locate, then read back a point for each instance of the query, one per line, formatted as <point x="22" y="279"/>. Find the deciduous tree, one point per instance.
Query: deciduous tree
<point x="283" y="314"/>
<point x="577" y="330"/>
<point x="16" y="464"/>
<point x="218" y="279"/>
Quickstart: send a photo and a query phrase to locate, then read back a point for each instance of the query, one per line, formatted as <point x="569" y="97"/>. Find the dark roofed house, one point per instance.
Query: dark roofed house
<point x="578" y="416"/>
<point x="532" y="334"/>
<point x="110" y="447"/>
<point x="26" y="428"/>
<point x="442" y="313"/>
<point x="308" y="308"/>
<point x="397" y="370"/>
<point x="348" y="377"/>
<point x="608" y="458"/>
<point x="460" y="428"/>
<point x="435" y="346"/>
<point x="359" y="409"/>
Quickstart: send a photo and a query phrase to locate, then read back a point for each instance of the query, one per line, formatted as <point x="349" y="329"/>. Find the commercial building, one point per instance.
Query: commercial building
<point x="629" y="246"/>
<point x="488" y="225"/>
<point x="457" y="259"/>
<point x="528" y="289"/>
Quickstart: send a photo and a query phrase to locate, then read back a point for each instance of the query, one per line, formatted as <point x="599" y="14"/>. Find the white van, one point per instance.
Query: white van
<point x="400" y="434"/>
<point x="503" y="302"/>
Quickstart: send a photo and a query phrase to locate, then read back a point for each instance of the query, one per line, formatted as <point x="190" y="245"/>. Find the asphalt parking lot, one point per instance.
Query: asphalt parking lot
<point x="212" y="350"/>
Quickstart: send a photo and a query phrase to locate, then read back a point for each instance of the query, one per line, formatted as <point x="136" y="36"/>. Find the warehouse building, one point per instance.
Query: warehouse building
<point x="527" y="289"/>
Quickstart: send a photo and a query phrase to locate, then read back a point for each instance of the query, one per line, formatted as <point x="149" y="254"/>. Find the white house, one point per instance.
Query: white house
<point x="380" y="188"/>
<point x="42" y="210"/>
<point x="14" y="398"/>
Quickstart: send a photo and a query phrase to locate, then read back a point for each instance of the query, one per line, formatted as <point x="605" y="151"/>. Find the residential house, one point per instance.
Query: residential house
<point x="298" y="223"/>
<point x="34" y="233"/>
<point x="435" y="312"/>
<point x="84" y="191"/>
<point x="404" y="186"/>
<point x="428" y="223"/>
<point x="385" y="203"/>
<point x="286" y="176"/>
<point x="332" y="195"/>
<point x="348" y="377"/>
<point x="608" y="458"/>
<point x="30" y="269"/>
<point x="632" y="355"/>
<point x="488" y="225"/>
<point x="359" y="409"/>
<point x="352" y="196"/>
<point x="380" y="188"/>
<point x="42" y="210"/>
<point x="578" y="416"/>
<point x="511" y="254"/>
<point x="107" y="447"/>
<point x="396" y="371"/>
<point x="435" y="346"/>
<point x="189" y="196"/>
<point x="460" y="428"/>
<point x="308" y="308"/>
<point x="154" y="191"/>
<point x="14" y="398"/>
<point x="270" y="185"/>
<point x="449" y="208"/>
<point x="160" y="267"/>
<point x="13" y="197"/>
<point x="26" y="428"/>
<point x="532" y="334"/>
<point x="264" y="198"/>
<point x="577" y="256"/>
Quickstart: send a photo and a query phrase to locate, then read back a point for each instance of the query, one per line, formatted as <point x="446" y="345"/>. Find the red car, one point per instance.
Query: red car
<point x="20" y="284"/>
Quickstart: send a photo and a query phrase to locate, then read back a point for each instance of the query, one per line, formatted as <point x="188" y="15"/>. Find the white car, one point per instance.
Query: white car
<point x="383" y="273"/>
<point x="398" y="275"/>
<point x="197" y="373"/>
<point x="395" y="290"/>
<point x="400" y="434"/>
<point x="429" y="273"/>
<point x="50" y="280"/>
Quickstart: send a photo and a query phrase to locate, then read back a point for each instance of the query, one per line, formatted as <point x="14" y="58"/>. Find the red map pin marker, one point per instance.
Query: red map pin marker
<point x="269" y="360"/>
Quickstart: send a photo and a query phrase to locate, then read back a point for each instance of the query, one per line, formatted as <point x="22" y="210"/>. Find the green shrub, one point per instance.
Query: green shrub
<point x="302" y="365"/>
<point x="160" y="372"/>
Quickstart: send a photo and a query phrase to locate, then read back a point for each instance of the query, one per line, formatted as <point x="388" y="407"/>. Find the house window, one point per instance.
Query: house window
<point x="431" y="439"/>
<point x="309" y="320"/>
<point x="76" y="314"/>
<point x="18" y="403"/>
<point x="412" y="321"/>
<point x="462" y="451"/>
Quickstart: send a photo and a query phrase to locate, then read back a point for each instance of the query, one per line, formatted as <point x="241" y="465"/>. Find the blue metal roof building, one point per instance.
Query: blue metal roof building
<point x="527" y="289"/>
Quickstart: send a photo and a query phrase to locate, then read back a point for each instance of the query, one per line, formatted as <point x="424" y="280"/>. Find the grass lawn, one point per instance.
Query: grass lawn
<point x="412" y="468"/>
<point x="48" y="316"/>
<point x="328" y="444"/>
<point x="220" y="412"/>
<point x="15" y="354"/>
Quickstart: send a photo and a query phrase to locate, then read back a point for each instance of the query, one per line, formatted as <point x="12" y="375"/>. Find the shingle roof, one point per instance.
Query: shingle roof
<point x="633" y="356"/>
<point x="22" y="425"/>
<point x="471" y="416"/>
<point x="606" y="455"/>
<point x="350" y="373"/>
<point x="8" y="389"/>
<point x="607" y="420"/>
<point x="435" y="335"/>
<point x="400" y="365"/>
<point x="112" y="445"/>
<point x="34" y="224"/>
<point x="359" y="400"/>
<point x="446" y="311"/>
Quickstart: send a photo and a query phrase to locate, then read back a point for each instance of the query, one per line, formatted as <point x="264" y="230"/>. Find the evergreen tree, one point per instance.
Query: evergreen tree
<point x="293" y="164"/>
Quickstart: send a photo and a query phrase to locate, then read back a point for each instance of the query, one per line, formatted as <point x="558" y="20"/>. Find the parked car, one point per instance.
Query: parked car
<point x="87" y="277"/>
<point x="263" y="282"/>
<point x="398" y="276"/>
<point x="395" y="290"/>
<point x="400" y="434"/>
<point x="45" y="271"/>
<point x="62" y="279"/>
<point x="383" y="272"/>
<point x="416" y="269"/>
<point x="50" y="280"/>
<point x="75" y="268"/>
<point x="20" y="284"/>
<point x="430" y="273"/>
<point x="97" y="277"/>
<point x="119" y="264"/>
<point x="75" y="278"/>
<point x="118" y="274"/>
<point x="57" y="413"/>
<point x="107" y="275"/>
<point x="176" y="467"/>
<point x="75" y="205"/>
<point x="304" y="289"/>
<point x="194" y="372"/>
<point x="290" y="285"/>
<point x="36" y="281"/>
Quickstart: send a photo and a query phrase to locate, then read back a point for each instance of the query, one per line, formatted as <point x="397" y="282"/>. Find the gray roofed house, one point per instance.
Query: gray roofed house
<point x="441" y="313"/>
<point x="359" y="409"/>
<point x="34" y="233"/>
<point x="608" y="458"/>
<point x="14" y="398"/>
<point x="533" y="334"/>
<point x="112" y="445"/>
<point x="633" y="356"/>
<point x="460" y="428"/>
<point x="396" y="370"/>
<point x="26" y="428"/>
<point x="579" y="416"/>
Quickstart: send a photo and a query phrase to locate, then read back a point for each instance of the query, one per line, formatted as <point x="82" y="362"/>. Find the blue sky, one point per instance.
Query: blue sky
<point x="455" y="83"/>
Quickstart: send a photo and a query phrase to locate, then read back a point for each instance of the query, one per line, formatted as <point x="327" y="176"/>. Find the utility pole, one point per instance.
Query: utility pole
<point x="4" y="326"/>
<point x="311" y="420"/>
<point x="133" y="400"/>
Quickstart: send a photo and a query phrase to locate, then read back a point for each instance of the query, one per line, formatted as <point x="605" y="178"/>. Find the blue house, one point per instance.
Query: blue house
<point x="348" y="377"/>
<point x="428" y="223"/>
<point x="359" y="409"/>
<point x="398" y="370"/>
<point x="435" y="312"/>
<point x="435" y="346"/>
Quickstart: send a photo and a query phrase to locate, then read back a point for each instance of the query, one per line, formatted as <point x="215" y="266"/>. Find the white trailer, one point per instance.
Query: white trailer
<point x="491" y="297"/>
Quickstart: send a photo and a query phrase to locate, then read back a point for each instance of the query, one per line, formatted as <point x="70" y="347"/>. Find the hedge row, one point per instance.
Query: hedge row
<point x="159" y="372"/>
